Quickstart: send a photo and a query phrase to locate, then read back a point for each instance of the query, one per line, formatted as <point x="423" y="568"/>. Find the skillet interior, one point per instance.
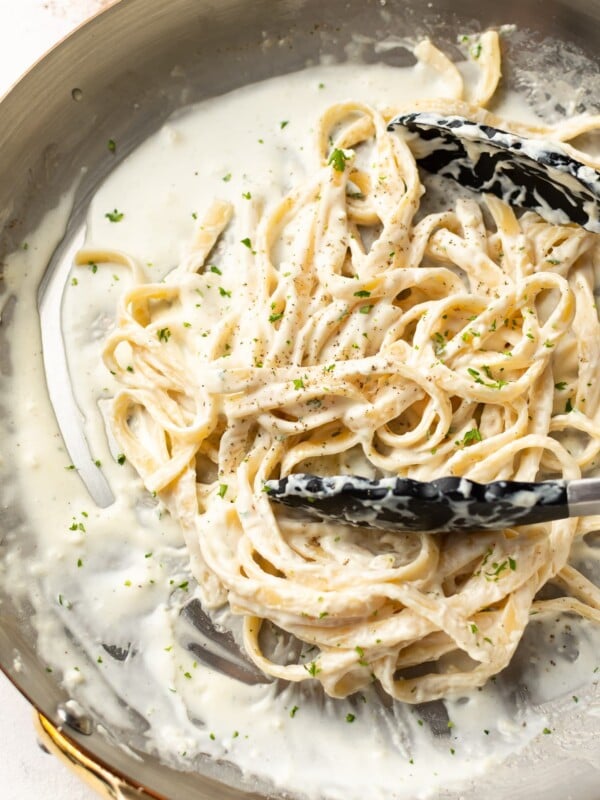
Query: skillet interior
<point x="134" y="65"/>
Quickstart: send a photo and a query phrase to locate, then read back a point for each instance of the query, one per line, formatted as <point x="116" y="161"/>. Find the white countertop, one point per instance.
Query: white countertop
<point x="27" y="29"/>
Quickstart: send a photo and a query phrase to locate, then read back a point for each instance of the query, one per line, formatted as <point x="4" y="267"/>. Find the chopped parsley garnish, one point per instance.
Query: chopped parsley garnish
<point x="214" y="269"/>
<point x="247" y="243"/>
<point x="350" y="717"/>
<point x="313" y="669"/>
<point x="474" y="628"/>
<point x="121" y="458"/>
<point x="568" y="406"/>
<point x="227" y="177"/>
<point x="365" y="309"/>
<point x="476" y="375"/>
<point x="362" y="293"/>
<point x="293" y="711"/>
<point x="223" y="292"/>
<point x="338" y="159"/>
<point x="163" y="334"/>
<point x="284" y="123"/>
<point x="114" y="216"/>
<point x="494" y="573"/>
<point x="275" y="317"/>
<point x="112" y="145"/>
<point x="546" y="731"/>
<point x="298" y="383"/>
<point x="439" y="343"/>
<point x="512" y="563"/>
<point x="476" y="51"/>
<point x="223" y="489"/>
<point x="184" y="585"/>
<point x="247" y="195"/>
<point x="470" y="437"/>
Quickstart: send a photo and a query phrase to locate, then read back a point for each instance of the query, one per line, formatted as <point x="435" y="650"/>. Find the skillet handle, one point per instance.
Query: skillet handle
<point x="97" y="776"/>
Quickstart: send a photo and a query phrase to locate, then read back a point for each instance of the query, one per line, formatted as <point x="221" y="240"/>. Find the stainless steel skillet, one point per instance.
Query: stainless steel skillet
<point x="134" y="65"/>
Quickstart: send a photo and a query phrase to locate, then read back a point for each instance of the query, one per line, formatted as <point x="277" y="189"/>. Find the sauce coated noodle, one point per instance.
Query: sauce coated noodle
<point x="354" y="334"/>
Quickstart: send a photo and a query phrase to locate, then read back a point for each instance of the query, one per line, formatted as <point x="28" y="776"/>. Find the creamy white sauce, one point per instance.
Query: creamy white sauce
<point x="117" y="576"/>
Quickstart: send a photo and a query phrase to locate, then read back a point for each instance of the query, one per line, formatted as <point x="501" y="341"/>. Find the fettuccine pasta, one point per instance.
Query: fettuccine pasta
<point x="350" y="332"/>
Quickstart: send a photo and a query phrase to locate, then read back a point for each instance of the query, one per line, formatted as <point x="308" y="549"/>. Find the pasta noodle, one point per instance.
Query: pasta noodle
<point x="357" y="334"/>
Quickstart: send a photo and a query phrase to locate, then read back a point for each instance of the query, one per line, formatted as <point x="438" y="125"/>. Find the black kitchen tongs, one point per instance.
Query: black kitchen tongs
<point x="436" y="506"/>
<point x="526" y="173"/>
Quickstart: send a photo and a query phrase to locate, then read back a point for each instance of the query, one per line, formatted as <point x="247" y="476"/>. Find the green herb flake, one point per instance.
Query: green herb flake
<point x="247" y="242"/>
<point x="474" y="628"/>
<point x="512" y="564"/>
<point x="163" y="334"/>
<point x="187" y="675"/>
<point x="275" y="317"/>
<point x="298" y="383"/>
<point x="546" y="731"/>
<point x="214" y="269"/>
<point x="227" y="178"/>
<point x="470" y="437"/>
<point x="184" y="586"/>
<point x="561" y="385"/>
<point x="247" y="195"/>
<point x="439" y="343"/>
<point x="362" y="293"/>
<point x="79" y="563"/>
<point x="338" y="159"/>
<point x="223" y="292"/>
<point x="284" y="123"/>
<point x="568" y="406"/>
<point x="313" y="669"/>
<point x="121" y="459"/>
<point x="293" y="711"/>
<point x="114" y="216"/>
<point x="223" y="489"/>
<point x="350" y="717"/>
<point x="74" y="281"/>
<point x="365" y="309"/>
<point x="112" y="145"/>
